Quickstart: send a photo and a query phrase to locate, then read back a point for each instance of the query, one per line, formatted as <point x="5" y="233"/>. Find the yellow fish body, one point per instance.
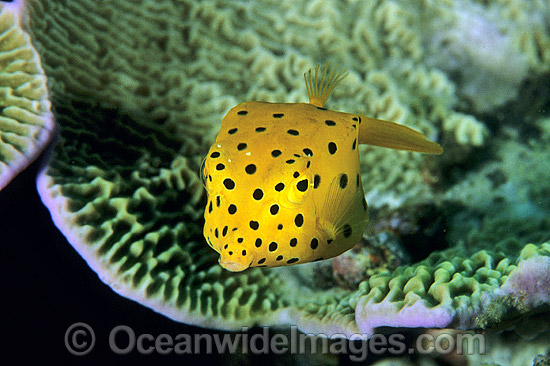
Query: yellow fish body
<point x="283" y="179"/>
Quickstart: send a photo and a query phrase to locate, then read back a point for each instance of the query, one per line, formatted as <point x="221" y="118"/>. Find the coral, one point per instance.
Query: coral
<point x="26" y="123"/>
<point x="209" y="55"/>
<point x="467" y="129"/>
<point x="490" y="48"/>
<point x="457" y="292"/>
<point x="530" y="283"/>
<point x="515" y="203"/>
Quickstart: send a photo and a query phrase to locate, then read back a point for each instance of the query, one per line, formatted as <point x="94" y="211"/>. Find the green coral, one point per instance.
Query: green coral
<point x="26" y="123"/>
<point x="211" y="55"/>
<point x="515" y="196"/>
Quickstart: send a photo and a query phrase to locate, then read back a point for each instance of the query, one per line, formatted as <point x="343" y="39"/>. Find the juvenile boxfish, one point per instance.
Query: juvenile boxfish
<point x="283" y="179"/>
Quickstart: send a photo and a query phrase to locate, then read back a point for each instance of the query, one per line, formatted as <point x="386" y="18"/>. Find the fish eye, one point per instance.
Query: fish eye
<point x="296" y="184"/>
<point x="300" y="188"/>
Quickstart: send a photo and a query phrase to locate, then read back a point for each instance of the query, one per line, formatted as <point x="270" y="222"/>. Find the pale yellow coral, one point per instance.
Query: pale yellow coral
<point x="466" y="129"/>
<point x="26" y="123"/>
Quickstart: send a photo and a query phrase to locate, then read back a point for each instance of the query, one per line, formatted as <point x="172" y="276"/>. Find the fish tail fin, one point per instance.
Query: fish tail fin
<point x="320" y="85"/>
<point x="382" y="133"/>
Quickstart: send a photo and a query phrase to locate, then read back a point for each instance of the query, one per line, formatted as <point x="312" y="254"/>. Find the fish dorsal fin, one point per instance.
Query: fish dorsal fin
<point x="320" y="85"/>
<point x="341" y="208"/>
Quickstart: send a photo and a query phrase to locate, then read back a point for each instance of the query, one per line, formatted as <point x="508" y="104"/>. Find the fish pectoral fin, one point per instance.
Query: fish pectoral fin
<point x="382" y="133"/>
<point x="342" y="210"/>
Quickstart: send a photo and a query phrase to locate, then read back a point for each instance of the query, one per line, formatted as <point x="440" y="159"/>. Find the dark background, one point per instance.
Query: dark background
<point x="47" y="286"/>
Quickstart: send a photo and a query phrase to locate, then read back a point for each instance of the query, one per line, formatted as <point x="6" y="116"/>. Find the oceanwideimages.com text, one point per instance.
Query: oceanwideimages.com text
<point x="80" y="340"/>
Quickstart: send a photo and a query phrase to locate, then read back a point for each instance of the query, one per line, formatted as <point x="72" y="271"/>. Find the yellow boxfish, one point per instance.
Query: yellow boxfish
<point x="283" y="179"/>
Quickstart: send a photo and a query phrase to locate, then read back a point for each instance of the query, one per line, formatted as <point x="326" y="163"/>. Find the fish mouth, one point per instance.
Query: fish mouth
<point x="232" y="265"/>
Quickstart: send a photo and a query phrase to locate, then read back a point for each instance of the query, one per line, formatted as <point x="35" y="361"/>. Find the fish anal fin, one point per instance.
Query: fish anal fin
<point x="382" y="133"/>
<point x="319" y="85"/>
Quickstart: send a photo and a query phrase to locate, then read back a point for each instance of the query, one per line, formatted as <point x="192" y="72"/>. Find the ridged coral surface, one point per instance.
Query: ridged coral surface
<point x="139" y="89"/>
<point x="26" y="123"/>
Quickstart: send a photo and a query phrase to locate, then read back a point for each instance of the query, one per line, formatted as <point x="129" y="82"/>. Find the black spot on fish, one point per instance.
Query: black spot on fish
<point x="302" y="185"/>
<point x="279" y="257"/>
<point x="332" y="148"/>
<point x="308" y="164"/>
<point x="316" y="181"/>
<point x="278" y="115"/>
<point x="314" y="243"/>
<point x="224" y="231"/>
<point x="276" y="153"/>
<point x="232" y="131"/>
<point x="242" y="113"/>
<point x="298" y="156"/>
<point x="293" y="242"/>
<point x="240" y="240"/>
<point x="250" y="169"/>
<point x="232" y="209"/>
<point x="299" y="220"/>
<point x="258" y="194"/>
<point x="210" y="207"/>
<point x="292" y="260"/>
<point x="293" y="132"/>
<point x="243" y="253"/>
<point x="218" y="201"/>
<point x="354" y="145"/>
<point x="274" y="209"/>
<point x="357" y="181"/>
<point x="225" y="246"/>
<point x="329" y="241"/>
<point x="347" y="231"/>
<point x="228" y="183"/>
<point x="296" y="174"/>
<point x="355" y="119"/>
<point x="260" y="129"/>
<point x="343" y="181"/>
<point x="220" y="167"/>
<point x="215" y="155"/>
<point x="321" y="108"/>
<point x="364" y="205"/>
<point x="216" y="233"/>
<point x="254" y="225"/>
<point x="279" y="187"/>
<point x="273" y="246"/>
<point x="230" y="252"/>
<point x="290" y="161"/>
<point x="308" y="152"/>
<point x="280" y="227"/>
<point x="328" y="122"/>
<point x="258" y="243"/>
<point x="241" y="146"/>
<point x="261" y="261"/>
